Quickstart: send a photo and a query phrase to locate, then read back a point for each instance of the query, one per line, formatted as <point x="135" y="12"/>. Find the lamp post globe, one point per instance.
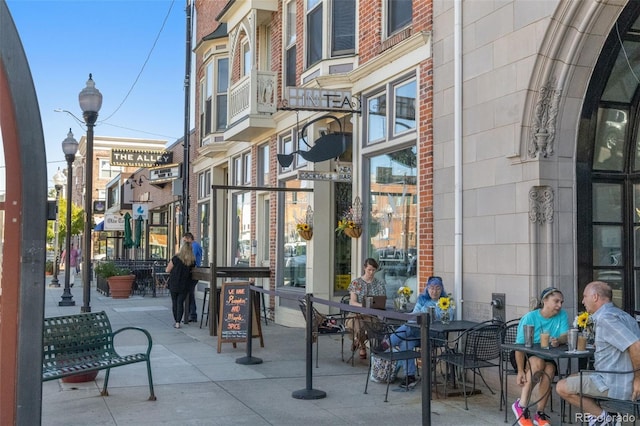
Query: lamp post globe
<point x="90" y="100"/>
<point x="69" y="147"/>
<point x="58" y="182"/>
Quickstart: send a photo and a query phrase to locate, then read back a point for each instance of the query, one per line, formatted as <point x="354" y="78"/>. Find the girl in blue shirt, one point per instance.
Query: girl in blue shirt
<point x="549" y="316"/>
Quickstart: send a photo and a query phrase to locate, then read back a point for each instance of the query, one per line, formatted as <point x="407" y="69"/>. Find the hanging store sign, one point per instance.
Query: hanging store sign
<point x="140" y="210"/>
<point x="164" y="174"/>
<point x="113" y="222"/>
<point x="299" y="98"/>
<point x="342" y="174"/>
<point x="139" y="158"/>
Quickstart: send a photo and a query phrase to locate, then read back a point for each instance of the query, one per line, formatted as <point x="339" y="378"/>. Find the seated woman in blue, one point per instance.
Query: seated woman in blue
<point x="407" y="337"/>
<point x="549" y="316"/>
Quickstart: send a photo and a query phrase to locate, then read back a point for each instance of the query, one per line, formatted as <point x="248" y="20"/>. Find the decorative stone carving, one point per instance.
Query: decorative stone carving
<point x="543" y="130"/>
<point x="541" y="204"/>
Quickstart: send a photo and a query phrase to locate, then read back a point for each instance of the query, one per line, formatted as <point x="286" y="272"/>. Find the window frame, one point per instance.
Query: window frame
<point x="388" y="90"/>
<point x="389" y="11"/>
<point x="290" y="41"/>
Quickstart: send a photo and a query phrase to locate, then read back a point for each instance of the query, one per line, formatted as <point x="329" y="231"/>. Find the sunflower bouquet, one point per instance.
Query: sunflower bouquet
<point x="405" y="291"/>
<point x="445" y="305"/>
<point x="584" y="323"/>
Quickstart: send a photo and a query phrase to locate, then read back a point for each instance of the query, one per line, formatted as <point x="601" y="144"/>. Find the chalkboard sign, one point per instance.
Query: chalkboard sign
<point x="233" y="325"/>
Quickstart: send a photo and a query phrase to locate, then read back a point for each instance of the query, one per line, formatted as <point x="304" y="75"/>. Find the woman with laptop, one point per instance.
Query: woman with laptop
<point x="359" y="289"/>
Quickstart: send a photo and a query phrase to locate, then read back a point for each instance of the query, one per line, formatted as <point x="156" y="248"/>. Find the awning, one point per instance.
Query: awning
<point x="99" y="226"/>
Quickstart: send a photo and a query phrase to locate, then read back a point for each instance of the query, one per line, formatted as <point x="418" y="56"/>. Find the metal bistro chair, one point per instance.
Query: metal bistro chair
<point x="345" y="314"/>
<point x="475" y="349"/>
<point x="323" y="325"/>
<point x="379" y="338"/>
<point x="613" y="405"/>
<point x="509" y="333"/>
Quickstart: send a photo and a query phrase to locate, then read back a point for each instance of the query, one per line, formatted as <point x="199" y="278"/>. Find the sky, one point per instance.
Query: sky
<point x="136" y="57"/>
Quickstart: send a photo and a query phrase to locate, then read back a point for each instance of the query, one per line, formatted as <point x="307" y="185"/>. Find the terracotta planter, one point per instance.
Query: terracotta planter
<point x="81" y="377"/>
<point x="353" y="232"/>
<point x="120" y="286"/>
<point x="306" y="234"/>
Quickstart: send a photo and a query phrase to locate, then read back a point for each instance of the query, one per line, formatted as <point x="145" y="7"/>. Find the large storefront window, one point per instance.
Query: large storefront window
<point x="392" y="221"/>
<point x="295" y="247"/>
<point x="607" y="169"/>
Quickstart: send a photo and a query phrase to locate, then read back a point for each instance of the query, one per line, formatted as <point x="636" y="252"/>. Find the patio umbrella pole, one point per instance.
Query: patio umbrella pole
<point x="309" y="392"/>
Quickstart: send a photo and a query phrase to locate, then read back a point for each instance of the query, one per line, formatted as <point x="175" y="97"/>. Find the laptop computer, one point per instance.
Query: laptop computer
<point x="378" y="302"/>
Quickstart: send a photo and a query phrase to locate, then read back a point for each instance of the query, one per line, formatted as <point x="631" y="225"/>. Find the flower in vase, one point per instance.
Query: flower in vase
<point x="405" y="291"/>
<point x="444" y="303"/>
<point x="583" y="321"/>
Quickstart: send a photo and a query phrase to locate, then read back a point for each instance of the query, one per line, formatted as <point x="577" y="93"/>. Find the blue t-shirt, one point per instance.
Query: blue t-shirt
<point x="557" y="325"/>
<point x="197" y="252"/>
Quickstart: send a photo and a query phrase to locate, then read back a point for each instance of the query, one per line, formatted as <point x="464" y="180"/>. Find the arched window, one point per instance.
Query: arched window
<point x="608" y="167"/>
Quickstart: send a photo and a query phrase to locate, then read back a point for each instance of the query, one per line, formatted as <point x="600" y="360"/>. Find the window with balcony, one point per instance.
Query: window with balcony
<point x="222" y="87"/>
<point x="339" y="34"/>
<point x="394" y="103"/>
<point x="290" y="45"/>
<point x="213" y="95"/>
<point x="246" y="58"/>
<point x="399" y="15"/>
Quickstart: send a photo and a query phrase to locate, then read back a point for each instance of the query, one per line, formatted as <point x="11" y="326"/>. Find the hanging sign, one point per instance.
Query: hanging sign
<point x="164" y="174"/>
<point x="113" y="222"/>
<point x="140" y="210"/>
<point x="138" y="158"/>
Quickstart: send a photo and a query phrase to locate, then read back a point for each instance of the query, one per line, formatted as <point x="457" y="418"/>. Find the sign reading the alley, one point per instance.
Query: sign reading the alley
<point x="320" y="99"/>
<point x="164" y="174"/>
<point x="140" y="158"/>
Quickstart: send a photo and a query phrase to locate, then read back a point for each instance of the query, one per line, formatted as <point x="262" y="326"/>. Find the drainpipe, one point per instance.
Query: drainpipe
<point x="457" y="141"/>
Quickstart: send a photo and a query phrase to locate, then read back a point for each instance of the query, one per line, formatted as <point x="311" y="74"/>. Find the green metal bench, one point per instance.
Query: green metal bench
<point x="76" y="344"/>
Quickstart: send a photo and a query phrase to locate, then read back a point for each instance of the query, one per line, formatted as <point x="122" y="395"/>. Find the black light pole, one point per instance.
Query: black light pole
<point x="90" y="100"/>
<point x="69" y="147"/>
<point x="58" y="180"/>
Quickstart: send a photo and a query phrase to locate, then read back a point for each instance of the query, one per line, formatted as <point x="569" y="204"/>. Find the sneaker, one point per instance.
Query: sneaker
<point x="409" y="382"/>
<point x="541" y="419"/>
<point x="522" y="414"/>
<point x="604" y="419"/>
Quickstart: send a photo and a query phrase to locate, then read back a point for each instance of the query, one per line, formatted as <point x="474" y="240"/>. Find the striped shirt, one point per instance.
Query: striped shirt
<point x="615" y="331"/>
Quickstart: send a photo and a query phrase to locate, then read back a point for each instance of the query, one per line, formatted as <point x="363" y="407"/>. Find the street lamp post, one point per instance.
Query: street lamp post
<point x="90" y="100"/>
<point x="58" y="181"/>
<point x="69" y="147"/>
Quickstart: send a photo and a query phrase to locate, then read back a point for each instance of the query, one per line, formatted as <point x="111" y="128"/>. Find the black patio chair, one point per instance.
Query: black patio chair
<point x="344" y="314"/>
<point x="508" y="335"/>
<point x="323" y="325"/>
<point x="475" y="349"/>
<point x="379" y="339"/>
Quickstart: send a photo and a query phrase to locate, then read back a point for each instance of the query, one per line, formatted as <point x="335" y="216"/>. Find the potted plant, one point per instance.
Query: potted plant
<point x="120" y="279"/>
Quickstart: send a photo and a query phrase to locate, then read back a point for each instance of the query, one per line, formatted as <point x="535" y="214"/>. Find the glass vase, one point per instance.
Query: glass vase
<point x="445" y="317"/>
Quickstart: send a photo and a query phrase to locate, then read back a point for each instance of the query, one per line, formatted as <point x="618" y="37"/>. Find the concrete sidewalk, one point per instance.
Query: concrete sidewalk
<point x="195" y="385"/>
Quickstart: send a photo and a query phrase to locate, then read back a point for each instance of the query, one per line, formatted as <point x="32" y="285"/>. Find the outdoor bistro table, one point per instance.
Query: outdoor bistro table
<point x="556" y="354"/>
<point x="455" y="326"/>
